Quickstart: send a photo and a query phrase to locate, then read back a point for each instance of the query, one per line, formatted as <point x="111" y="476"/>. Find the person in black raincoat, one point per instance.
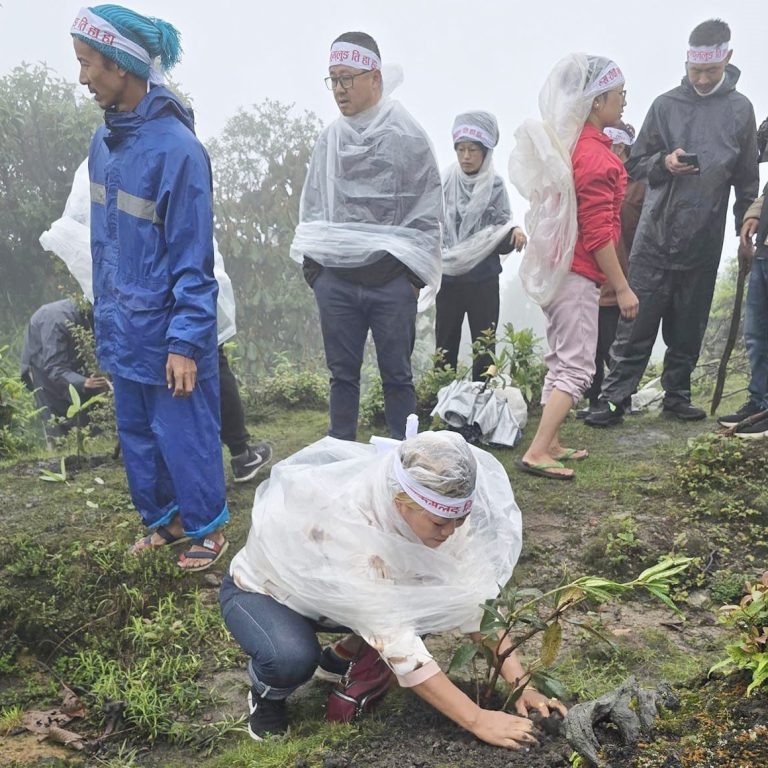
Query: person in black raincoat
<point x="50" y="362"/>
<point x="698" y="140"/>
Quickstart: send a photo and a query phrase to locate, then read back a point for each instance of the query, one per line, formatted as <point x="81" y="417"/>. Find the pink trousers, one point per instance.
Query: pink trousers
<point x="572" y="337"/>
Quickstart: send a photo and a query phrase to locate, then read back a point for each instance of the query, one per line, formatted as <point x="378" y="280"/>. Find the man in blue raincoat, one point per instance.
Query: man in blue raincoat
<point x="154" y="288"/>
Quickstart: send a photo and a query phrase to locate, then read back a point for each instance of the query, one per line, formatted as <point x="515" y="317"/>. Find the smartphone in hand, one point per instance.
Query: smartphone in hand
<point x="690" y="159"/>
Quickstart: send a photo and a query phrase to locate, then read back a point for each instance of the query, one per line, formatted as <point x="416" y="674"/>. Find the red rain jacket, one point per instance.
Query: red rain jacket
<point x="600" y="181"/>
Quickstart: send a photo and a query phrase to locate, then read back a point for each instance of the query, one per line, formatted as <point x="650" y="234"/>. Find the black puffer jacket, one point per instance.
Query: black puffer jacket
<point x="683" y="219"/>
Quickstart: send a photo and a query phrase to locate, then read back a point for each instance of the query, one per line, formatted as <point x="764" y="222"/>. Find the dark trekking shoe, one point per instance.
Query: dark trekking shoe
<point x="332" y="667"/>
<point x="582" y="413"/>
<point x="607" y="415"/>
<point x="247" y="464"/>
<point x="748" y="409"/>
<point x="756" y="431"/>
<point x="267" y="717"/>
<point x="683" y="411"/>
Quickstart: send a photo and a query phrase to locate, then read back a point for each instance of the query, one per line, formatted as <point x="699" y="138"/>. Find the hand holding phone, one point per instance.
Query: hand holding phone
<point x="689" y="159"/>
<point x="680" y="163"/>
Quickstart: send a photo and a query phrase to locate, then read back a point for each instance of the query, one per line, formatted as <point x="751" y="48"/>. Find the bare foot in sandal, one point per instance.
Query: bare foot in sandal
<point x="204" y="552"/>
<point x="568" y="454"/>
<point x="162" y="536"/>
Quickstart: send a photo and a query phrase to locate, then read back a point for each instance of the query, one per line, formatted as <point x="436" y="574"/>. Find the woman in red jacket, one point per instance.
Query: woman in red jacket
<point x="588" y="89"/>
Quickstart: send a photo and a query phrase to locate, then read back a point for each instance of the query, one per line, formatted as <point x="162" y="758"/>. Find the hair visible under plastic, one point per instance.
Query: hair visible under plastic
<point x="540" y="168"/>
<point x="69" y="238"/>
<point x="373" y="186"/>
<point x="327" y="540"/>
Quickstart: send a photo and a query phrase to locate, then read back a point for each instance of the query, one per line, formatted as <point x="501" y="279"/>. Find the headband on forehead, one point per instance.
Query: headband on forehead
<point x="89" y="25"/>
<point x="473" y="133"/>
<point x="436" y="503"/>
<point x="618" y="136"/>
<point x="709" y="54"/>
<point x="609" y="78"/>
<point x="353" y="55"/>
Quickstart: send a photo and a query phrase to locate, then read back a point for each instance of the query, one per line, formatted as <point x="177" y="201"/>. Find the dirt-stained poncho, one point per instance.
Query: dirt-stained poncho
<point x="327" y="541"/>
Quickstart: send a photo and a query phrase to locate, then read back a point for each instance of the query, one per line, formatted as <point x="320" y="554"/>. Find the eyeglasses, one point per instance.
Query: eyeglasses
<point x="345" y="81"/>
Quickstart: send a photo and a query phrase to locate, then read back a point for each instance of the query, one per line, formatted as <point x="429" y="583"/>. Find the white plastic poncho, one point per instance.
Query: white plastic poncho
<point x="327" y="541"/>
<point x="373" y="187"/>
<point x="477" y="211"/>
<point x="540" y="167"/>
<point x="69" y="238"/>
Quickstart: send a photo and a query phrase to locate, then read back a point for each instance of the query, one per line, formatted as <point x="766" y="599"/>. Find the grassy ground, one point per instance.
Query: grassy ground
<point x="145" y="649"/>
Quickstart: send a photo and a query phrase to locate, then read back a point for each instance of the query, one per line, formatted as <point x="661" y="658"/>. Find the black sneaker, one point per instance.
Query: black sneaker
<point x="582" y="413"/>
<point x="755" y="431"/>
<point x="607" y="415"/>
<point x="247" y="464"/>
<point x="331" y="667"/>
<point x="748" y="409"/>
<point x="267" y="717"/>
<point x="684" y="411"/>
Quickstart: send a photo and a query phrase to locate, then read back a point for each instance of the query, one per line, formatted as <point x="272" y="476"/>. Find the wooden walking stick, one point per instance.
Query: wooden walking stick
<point x="731" y="340"/>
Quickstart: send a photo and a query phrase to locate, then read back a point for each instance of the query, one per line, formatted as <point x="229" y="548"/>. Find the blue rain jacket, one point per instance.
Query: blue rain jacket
<point x="152" y="241"/>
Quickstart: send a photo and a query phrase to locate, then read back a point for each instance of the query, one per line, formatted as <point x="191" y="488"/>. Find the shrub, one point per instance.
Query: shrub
<point x="750" y="618"/>
<point x="288" y="385"/>
<point x="18" y="413"/>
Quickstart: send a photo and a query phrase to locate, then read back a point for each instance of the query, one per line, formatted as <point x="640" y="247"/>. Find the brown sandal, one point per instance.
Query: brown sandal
<point x="212" y="552"/>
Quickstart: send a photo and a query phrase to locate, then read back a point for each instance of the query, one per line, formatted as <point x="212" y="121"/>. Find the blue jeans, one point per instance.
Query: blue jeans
<point x="756" y="332"/>
<point x="347" y="312"/>
<point x="281" y="643"/>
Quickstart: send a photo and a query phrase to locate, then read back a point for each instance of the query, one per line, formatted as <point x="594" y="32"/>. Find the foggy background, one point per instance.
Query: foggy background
<point x="455" y="56"/>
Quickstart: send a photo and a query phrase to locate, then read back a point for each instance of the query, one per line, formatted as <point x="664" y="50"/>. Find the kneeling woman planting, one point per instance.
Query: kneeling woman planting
<point x="388" y="547"/>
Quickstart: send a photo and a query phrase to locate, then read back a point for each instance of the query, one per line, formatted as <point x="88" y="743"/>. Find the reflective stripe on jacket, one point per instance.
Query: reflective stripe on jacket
<point x="152" y="241"/>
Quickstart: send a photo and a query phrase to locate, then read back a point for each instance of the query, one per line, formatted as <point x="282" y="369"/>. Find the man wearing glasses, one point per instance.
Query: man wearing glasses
<point x="698" y="140"/>
<point x="369" y="233"/>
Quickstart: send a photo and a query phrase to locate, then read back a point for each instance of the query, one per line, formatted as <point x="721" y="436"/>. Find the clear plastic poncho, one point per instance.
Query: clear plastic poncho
<point x="69" y="238"/>
<point x="477" y="211"/>
<point x="373" y="186"/>
<point x="327" y="541"/>
<point x="540" y="167"/>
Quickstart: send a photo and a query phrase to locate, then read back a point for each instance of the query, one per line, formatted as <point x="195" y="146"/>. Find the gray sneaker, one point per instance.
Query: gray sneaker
<point x="247" y="464"/>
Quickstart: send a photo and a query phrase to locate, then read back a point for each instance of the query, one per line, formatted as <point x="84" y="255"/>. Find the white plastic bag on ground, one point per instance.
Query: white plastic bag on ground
<point x="498" y="413"/>
<point x="649" y="397"/>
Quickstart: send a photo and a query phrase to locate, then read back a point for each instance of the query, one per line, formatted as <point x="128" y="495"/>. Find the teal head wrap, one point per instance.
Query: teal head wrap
<point x="144" y="38"/>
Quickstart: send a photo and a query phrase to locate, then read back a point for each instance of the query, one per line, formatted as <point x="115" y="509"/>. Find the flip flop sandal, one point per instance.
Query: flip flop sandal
<point x="569" y="454"/>
<point x="165" y="535"/>
<point x="540" y="470"/>
<point x="212" y="553"/>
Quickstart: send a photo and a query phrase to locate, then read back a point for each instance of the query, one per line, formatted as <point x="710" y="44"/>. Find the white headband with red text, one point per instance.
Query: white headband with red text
<point x="709" y="54"/>
<point x="473" y="133"/>
<point x="353" y="55"/>
<point x="91" y="25"/>
<point x="431" y="501"/>
<point x="619" y="136"/>
<point x="609" y="78"/>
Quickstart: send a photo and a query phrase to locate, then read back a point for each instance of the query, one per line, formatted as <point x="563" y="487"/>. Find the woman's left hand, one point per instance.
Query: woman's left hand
<point x="518" y="239"/>
<point x="531" y="699"/>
